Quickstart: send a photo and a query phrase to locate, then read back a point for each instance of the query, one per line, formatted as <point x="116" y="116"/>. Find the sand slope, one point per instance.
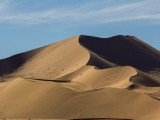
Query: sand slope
<point x="83" y="77"/>
<point x="49" y="62"/>
<point x="123" y="50"/>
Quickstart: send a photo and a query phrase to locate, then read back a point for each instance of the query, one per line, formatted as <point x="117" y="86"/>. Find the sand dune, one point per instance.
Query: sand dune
<point x="83" y="77"/>
<point x="123" y="50"/>
<point x="48" y="62"/>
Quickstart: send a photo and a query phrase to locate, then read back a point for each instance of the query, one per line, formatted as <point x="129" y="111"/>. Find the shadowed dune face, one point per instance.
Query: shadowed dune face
<point x="123" y="51"/>
<point x="83" y="77"/>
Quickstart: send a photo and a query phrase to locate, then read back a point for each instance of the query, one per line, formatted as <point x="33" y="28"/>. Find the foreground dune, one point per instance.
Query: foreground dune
<point x="83" y="77"/>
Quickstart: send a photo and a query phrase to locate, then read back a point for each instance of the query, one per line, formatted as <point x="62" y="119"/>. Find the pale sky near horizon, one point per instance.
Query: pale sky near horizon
<point x="29" y="24"/>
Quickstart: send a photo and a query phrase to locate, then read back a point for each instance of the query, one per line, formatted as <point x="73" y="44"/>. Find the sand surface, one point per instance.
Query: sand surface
<point x="83" y="77"/>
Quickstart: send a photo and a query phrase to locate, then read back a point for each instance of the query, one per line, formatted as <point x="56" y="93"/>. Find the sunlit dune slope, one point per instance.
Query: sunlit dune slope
<point x="83" y="77"/>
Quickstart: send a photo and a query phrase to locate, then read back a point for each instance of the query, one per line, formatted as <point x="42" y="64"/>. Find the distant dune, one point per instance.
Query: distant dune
<point x="83" y="77"/>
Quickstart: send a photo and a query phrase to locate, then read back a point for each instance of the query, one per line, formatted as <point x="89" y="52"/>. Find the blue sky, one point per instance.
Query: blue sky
<point x="28" y="24"/>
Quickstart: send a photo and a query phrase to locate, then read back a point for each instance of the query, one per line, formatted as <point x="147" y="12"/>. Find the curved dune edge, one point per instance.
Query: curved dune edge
<point x="23" y="98"/>
<point x="83" y="90"/>
<point x="60" y="65"/>
<point x="141" y="80"/>
<point x="123" y="50"/>
<point x="92" y="78"/>
<point x="96" y="60"/>
<point x="31" y="97"/>
<point x="50" y="61"/>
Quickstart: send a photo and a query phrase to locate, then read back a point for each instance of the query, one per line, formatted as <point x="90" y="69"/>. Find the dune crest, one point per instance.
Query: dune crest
<point x="48" y="62"/>
<point x="83" y="77"/>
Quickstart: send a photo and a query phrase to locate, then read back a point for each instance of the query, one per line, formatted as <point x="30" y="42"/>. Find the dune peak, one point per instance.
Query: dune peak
<point x="83" y="77"/>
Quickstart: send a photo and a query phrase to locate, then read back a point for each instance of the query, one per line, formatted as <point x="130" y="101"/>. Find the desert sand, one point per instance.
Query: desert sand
<point x="83" y="77"/>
